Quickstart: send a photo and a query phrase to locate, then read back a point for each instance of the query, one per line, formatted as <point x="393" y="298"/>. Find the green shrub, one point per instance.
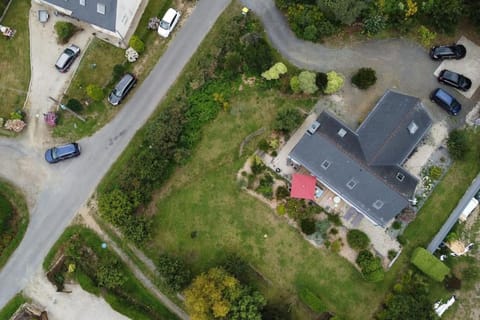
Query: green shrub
<point x="281" y="209"/>
<point x="137" y="44"/>
<point x="396" y="225"/>
<point x="65" y="30"/>
<point x="6" y="214"/>
<point x="174" y="272"/>
<point x="312" y="300"/>
<point x="307" y="226"/>
<point x="275" y="71"/>
<point x="357" y="239"/>
<point x="402" y="239"/>
<point x="370" y="265"/>
<point x="335" y="82"/>
<point x="263" y="145"/>
<point x="306" y="80"/>
<point x="429" y="264"/>
<point x="392" y="254"/>
<point x="364" y="78"/>
<point x="118" y="71"/>
<point x="287" y="120"/>
<point x="295" y="84"/>
<point x="435" y="172"/>
<point x="336" y="246"/>
<point x="457" y="144"/>
<point x="426" y="36"/>
<point x="334" y="231"/>
<point x="75" y="105"/>
<point x="322" y="227"/>
<point x="374" y="24"/>
<point x="282" y="193"/>
<point x="321" y="81"/>
<point x="335" y="219"/>
<point x="95" y="92"/>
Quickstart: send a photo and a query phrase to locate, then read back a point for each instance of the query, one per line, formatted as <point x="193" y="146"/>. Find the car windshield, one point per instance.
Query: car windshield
<point x="164" y="24"/>
<point x="452" y="76"/>
<point x="116" y="92"/>
<point x="69" y="52"/>
<point x="445" y="50"/>
<point x="445" y="97"/>
<point x="54" y="153"/>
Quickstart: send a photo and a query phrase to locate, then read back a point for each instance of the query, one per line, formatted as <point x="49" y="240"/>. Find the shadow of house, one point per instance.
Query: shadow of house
<point x="116" y="19"/>
<point x="364" y="167"/>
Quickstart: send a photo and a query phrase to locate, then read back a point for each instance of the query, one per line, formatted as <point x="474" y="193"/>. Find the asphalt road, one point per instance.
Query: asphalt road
<point x="68" y="185"/>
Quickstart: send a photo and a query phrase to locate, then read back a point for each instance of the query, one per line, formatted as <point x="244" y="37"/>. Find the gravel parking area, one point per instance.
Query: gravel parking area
<point x="468" y="66"/>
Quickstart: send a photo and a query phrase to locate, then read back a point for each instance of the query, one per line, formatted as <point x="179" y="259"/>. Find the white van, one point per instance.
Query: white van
<point x="468" y="209"/>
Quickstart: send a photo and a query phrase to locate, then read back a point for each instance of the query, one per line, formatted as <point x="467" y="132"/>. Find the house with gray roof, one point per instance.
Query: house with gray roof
<point x="112" y="17"/>
<point x="364" y="166"/>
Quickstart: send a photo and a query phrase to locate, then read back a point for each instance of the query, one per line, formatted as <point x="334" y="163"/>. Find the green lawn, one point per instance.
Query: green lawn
<point x="203" y="196"/>
<point x="11" y="200"/>
<point x="15" y="59"/>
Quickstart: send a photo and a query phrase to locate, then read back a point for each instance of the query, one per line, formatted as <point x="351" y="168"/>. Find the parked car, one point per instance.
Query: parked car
<point x="122" y="88"/>
<point x="455" y="80"/>
<point x="63" y="152"/>
<point x="67" y="57"/>
<point x="168" y="22"/>
<point x="454" y="51"/>
<point x="446" y="101"/>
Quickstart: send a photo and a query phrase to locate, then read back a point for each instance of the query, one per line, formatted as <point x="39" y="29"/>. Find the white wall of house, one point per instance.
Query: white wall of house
<point x="126" y="10"/>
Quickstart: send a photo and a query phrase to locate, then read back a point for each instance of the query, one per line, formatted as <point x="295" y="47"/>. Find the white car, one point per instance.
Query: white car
<point x="169" y="21"/>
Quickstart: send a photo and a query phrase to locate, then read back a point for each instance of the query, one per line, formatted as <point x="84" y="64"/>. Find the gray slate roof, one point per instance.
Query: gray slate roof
<point x="365" y="165"/>
<point x="88" y="13"/>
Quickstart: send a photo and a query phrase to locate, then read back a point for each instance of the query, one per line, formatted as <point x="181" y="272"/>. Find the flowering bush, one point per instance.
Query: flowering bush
<point x="15" y="125"/>
<point x="131" y="54"/>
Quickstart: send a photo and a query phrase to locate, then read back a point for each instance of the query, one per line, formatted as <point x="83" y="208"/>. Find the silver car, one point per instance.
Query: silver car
<point x="67" y="57"/>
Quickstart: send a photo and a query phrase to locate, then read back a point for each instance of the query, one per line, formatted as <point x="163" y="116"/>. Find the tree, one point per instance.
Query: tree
<point x="444" y="14"/>
<point x="357" y="239"/>
<point x="137" y="44"/>
<point x="306" y="81"/>
<point x="287" y="120"/>
<point x="75" y="105"/>
<point x="457" y="144"/>
<point x="345" y="11"/>
<point x="65" y="30"/>
<point x="335" y="82"/>
<point x="275" y="71"/>
<point x="95" y="92"/>
<point x="217" y="294"/>
<point x="364" y="78"/>
<point x="257" y="55"/>
<point x="174" y="272"/>
<point x="233" y="62"/>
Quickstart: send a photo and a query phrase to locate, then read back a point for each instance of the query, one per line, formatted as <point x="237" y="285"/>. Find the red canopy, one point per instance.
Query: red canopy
<point x="303" y="186"/>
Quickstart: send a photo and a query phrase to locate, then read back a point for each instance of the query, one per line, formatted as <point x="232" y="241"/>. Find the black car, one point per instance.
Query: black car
<point x="67" y="57"/>
<point x="455" y="80"/>
<point x="122" y="88"/>
<point x="454" y="51"/>
<point x="446" y="101"/>
<point x="64" y="152"/>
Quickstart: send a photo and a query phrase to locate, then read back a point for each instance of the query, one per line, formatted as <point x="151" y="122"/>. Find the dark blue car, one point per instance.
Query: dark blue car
<point x="60" y="153"/>
<point x="446" y="101"/>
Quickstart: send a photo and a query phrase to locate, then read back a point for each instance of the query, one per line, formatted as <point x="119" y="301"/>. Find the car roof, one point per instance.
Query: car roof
<point x="168" y="16"/>
<point x="444" y="96"/>
<point x="66" y="149"/>
<point x="450" y="75"/>
<point x="125" y="80"/>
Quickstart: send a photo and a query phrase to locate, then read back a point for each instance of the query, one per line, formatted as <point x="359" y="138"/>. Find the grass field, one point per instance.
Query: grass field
<point x="15" y="59"/>
<point x="12" y="306"/>
<point x="12" y="199"/>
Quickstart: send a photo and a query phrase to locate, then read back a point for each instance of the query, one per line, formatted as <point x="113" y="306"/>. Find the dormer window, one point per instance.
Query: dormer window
<point x="400" y="176"/>
<point x="378" y="204"/>
<point x="326" y="164"/>
<point x="352" y="183"/>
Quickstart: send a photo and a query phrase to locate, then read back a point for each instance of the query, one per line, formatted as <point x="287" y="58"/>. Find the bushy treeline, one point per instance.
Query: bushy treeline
<point x="170" y="136"/>
<point x="315" y="19"/>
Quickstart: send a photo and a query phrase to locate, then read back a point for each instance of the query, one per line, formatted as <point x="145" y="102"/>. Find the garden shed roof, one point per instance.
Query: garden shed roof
<point x="303" y="186"/>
